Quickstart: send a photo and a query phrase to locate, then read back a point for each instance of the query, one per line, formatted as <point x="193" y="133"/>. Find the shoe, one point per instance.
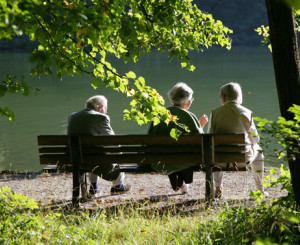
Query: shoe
<point x="218" y="192"/>
<point x="120" y="189"/>
<point x="185" y="189"/>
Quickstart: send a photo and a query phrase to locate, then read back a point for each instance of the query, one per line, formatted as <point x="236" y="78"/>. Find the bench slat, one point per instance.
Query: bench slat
<point x="53" y="140"/>
<point x="142" y="149"/>
<point x="140" y="140"/>
<point x="54" y="150"/>
<point x="49" y="159"/>
<point x="143" y="158"/>
<point x="227" y="139"/>
<point x="230" y="148"/>
<point x="192" y="148"/>
<point x="229" y="157"/>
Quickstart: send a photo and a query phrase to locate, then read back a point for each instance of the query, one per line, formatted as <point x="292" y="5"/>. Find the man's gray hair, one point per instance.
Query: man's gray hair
<point x="180" y="94"/>
<point x="95" y="102"/>
<point x="231" y="92"/>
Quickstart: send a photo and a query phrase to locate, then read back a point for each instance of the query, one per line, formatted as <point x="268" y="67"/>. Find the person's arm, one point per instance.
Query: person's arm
<point x="105" y="126"/>
<point x="210" y="129"/>
<point x="203" y="120"/>
<point x="193" y="123"/>
<point x="253" y="134"/>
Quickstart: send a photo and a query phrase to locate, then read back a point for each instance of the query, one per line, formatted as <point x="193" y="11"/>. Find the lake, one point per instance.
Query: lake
<point x="48" y="112"/>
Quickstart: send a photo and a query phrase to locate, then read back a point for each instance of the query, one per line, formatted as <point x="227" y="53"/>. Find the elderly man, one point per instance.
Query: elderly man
<point x="232" y="117"/>
<point x="181" y="96"/>
<point x="93" y="120"/>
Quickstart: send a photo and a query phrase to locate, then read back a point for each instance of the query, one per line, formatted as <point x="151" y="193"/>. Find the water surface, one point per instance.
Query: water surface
<point x="47" y="113"/>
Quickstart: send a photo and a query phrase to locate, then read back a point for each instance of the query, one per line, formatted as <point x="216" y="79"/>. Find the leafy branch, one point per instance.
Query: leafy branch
<point x="76" y="36"/>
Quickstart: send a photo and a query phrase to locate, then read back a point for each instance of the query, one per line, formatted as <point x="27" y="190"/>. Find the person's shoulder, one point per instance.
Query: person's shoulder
<point x="76" y="113"/>
<point x="217" y="109"/>
<point x="100" y="116"/>
<point x="244" y="110"/>
<point x="178" y="110"/>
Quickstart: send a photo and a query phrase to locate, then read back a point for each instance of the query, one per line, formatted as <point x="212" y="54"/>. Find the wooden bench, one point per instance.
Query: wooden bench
<point x="209" y="152"/>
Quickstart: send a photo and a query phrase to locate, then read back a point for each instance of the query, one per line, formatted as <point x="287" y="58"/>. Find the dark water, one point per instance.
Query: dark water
<point x="47" y="113"/>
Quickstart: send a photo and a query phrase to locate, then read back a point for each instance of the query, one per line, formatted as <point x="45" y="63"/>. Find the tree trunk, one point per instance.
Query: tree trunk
<point x="287" y="69"/>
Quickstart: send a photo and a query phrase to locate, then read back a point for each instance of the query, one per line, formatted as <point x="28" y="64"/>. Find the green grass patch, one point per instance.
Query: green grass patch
<point x="22" y="222"/>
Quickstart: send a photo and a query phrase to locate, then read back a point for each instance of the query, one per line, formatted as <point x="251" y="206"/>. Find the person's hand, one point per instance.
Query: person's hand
<point x="203" y="120"/>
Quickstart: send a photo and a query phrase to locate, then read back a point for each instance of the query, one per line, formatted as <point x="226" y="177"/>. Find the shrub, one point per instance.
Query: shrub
<point x="17" y="221"/>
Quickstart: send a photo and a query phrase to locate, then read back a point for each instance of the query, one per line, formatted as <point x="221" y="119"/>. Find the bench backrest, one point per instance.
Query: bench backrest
<point x="143" y="149"/>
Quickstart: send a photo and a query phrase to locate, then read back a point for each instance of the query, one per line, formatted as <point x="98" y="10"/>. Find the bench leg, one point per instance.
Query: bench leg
<point x="209" y="185"/>
<point x="76" y="188"/>
<point x="76" y="162"/>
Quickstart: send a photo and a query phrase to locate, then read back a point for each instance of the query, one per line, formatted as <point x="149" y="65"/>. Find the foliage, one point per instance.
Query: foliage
<point x="12" y="85"/>
<point x="79" y="37"/>
<point x="274" y="222"/>
<point x="17" y="222"/>
<point x="294" y="4"/>
<point x="234" y="223"/>
<point x="286" y="219"/>
<point x="287" y="132"/>
<point x="284" y="181"/>
<point x="264" y="30"/>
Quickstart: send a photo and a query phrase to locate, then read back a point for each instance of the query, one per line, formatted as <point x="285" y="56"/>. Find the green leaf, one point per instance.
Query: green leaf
<point x="175" y="133"/>
<point x="3" y="90"/>
<point x="25" y="90"/>
<point x="95" y="83"/>
<point x="272" y="171"/>
<point x="261" y="124"/>
<point x="130" y="74"/>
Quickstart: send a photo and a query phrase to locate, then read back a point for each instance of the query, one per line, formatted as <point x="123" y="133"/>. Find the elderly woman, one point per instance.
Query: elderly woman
<point x="181" y="96"/>
<point x="232" y="117"/>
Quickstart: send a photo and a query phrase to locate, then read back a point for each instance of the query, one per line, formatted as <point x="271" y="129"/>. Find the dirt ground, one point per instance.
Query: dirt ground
<point x="54" y="189"/>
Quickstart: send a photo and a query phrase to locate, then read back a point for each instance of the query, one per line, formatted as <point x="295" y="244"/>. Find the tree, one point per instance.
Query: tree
<point x="80" y="36"/>
<point x="287" y="69"/>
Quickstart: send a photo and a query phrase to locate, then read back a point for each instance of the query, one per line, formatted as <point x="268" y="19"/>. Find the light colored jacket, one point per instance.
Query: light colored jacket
<point x="89" y="122"/>
<point x="234" y="118"/>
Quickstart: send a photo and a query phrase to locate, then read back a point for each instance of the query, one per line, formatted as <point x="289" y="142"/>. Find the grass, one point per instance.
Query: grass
<point x="229" y="224"/>
<point x="22" y="221"/>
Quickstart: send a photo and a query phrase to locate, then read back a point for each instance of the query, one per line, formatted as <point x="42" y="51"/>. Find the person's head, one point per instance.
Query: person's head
<point x="97" y="103"/>
<point x="181" y="95"/>
<point x="231" y="92"/>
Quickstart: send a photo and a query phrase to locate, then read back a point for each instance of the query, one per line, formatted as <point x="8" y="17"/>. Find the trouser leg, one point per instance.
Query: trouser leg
<point x="93" y="183"/>
<point x="110" y="172"/>
<point x="178" y="178"/>
<point x="83" y="185"/>
<point x="119" y="180"/>
<point x="93" y="178"/>
<point x="257" y="169"/>
<point x="173" y="177"/>
<point x="218" y="179"/>
<point x="185" y="176"/>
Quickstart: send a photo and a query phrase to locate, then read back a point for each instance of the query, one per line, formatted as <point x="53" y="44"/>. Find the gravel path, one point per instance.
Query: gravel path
<point x="54" y="188"/>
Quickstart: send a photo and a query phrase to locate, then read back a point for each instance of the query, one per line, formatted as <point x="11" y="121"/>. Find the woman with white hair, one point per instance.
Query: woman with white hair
<point x="181" y="96"/>
<point x="232" y="117"/>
